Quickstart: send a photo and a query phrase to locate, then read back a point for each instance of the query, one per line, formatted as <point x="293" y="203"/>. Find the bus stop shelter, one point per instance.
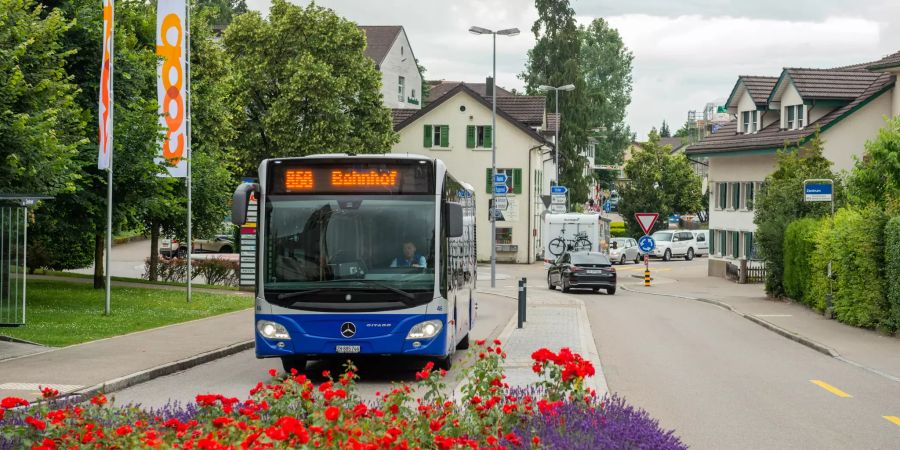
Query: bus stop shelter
<point x="13" y="256"/>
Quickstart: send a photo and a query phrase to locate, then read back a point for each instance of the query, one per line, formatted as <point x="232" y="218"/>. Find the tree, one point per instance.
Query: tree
<point x="781" y="202"/>
<point x="688" y="133"/>
<point x="219" y="12"/>
<point x="658" y="182"/>
<point x="426" y="88"/>
<point x="40" y="122"/>
<point x="876" y="177"/>
<point x="305" y="84"/>
<point x="664" y="130"/>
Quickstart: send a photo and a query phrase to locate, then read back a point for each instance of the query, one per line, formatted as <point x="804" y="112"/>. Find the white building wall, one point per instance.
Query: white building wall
<point x="791" y="97"/>
<point x="848" y="137"/>
<point x="400" y="61"/>
<point x="470" y="165"/>
<point x="731" y="169"/>
<point x="745" y="104"/>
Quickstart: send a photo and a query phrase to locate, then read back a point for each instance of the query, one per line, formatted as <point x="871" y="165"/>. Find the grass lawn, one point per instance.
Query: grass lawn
<point x="60" y="313"/>
<point x="59" y="273"/>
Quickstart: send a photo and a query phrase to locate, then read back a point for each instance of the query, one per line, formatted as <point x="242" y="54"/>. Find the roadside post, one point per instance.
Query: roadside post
<point x="521" y="312"/>
<point x="524" y="299"/>
<point x="822" y="190"/>
<point x="646" y="243"/>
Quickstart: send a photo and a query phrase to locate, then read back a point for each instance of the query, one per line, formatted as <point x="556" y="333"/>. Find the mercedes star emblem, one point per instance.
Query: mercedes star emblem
<point x="348" y="330"/>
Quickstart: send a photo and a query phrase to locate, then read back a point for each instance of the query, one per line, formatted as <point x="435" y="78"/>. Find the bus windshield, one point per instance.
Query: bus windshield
<point x="366" y="242"/>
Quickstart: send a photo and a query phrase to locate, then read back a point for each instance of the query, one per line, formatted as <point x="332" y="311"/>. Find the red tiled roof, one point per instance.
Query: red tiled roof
<point x="831" y="84"/>
<point x="400" y="114"/>
<point x="887" y="62"/>
<point x="379" y="40"/>
<point x="759" y="88"/>
<point x="437" y="89"/>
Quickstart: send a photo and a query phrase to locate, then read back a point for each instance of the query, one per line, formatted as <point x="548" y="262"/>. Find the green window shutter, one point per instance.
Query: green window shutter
<point x="736" y="244"/>
<point x="470" y="136"/>
<point x="517" y="181"/>
<point x="723" y="195"/>
<point x="736" y="197"/>
<point x="712" y="242"/>
<point x="750" y="193"/>
<point x="445" y="136"/>
<point x="488" y="136"/>
<point x="723" y="243"/>
<point x="427" y="136"/>
<point x="748" y="244"/>
<point x="488" y="181"/>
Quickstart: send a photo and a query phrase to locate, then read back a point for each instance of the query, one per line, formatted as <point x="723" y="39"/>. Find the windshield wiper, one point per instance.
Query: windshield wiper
<point x="385" y="286"/>
<point x="288" y="295"/>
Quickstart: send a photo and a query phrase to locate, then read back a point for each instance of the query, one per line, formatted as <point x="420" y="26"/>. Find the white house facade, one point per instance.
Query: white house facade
<point x="456" y="128"/>
<point x="401" y="81"/>
<point x="847" y="106"/>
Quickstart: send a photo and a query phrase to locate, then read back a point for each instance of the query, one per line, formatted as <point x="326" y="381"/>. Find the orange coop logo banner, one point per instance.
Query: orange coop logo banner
<point x="106" y="94"/>
<point x="170" y="83"/>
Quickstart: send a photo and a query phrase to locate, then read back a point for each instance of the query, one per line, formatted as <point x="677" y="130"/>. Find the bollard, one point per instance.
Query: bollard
<point x="521" y="314"/>
<point x="647" y="278"/>
<point x="524" y="299"/>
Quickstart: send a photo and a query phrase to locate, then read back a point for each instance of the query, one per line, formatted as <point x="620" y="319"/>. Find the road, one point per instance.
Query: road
<point x="717" y="379"/>
<point x="235" y="375"/>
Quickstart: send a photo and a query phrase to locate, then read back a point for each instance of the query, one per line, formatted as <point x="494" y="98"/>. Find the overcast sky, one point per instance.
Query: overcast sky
<point x="686" y="53"/>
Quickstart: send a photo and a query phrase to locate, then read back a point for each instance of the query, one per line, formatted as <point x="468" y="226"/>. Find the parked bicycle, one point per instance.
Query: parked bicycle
<point x="560" y="244"/>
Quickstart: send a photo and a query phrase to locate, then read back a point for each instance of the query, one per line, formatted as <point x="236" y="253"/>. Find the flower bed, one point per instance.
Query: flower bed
<point x="290" y="411"/>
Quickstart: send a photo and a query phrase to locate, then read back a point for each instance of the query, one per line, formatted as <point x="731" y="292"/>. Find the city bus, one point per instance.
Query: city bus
<point x="366" y="255"/>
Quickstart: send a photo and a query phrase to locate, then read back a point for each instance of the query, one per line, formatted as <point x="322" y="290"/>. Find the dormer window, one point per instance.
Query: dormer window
<point x="750" y="121"/>
<point x="794" y="117"/>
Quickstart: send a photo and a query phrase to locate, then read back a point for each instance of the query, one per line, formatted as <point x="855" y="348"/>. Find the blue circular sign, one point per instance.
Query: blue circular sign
<point x="646" y="244"/>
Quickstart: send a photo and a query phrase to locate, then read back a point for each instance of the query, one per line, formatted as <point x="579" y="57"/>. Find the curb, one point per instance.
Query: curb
<point x="20" y="341"/>
<point x="117" y="384"/>
<point x="800" y="339"/>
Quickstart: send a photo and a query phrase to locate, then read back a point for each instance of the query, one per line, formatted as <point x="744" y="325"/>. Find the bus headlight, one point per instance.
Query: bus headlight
<point x="425" y="330"/>
<point x="272" y="330"/>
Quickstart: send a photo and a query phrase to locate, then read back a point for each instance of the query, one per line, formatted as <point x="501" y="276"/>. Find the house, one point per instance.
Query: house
<point x="456" y="128"/>
<point x="846" y="105"/>
<point x="401" y="81"/>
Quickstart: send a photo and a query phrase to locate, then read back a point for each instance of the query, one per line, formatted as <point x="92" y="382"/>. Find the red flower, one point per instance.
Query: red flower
<point x="38" y="424"/>
<point x="435" y="425"/>
<point x="535" y="440"/>
<point x="12" y="402"/>
<point x="220" y="422"/>
<point x="48" y="392"/>
<point x="273" y="372"/>
<point x="123" y="430"/>
<point x="480" y="342"/>
<point x="543" y="355"/>
<point x="497" y="342"/>
<point x="332" y="413"/>
<point x="99" y="400"/>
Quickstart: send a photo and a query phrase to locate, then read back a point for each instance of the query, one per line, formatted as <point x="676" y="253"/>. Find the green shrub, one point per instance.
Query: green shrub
<point x="618" y="232"/>
<point x="799" y="244"/>
<point x="617" y="224"/>
<point x="892" y="271"/>
<point x="855" y="245"/>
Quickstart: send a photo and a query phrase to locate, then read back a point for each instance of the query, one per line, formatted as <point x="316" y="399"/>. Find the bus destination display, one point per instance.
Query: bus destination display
<point x="360" y="178"/>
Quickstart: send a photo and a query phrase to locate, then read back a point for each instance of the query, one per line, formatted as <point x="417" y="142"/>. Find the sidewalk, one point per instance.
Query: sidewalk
<point x="115" y="363"/>
<point x="864" y="348"/>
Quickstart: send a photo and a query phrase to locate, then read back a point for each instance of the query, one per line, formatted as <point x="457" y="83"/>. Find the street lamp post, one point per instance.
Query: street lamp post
<point x="545" y="88"/>
<point x="505" y="32"/>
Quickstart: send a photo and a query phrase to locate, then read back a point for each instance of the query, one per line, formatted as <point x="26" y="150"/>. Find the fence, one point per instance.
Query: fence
<point x="746" y="272"/>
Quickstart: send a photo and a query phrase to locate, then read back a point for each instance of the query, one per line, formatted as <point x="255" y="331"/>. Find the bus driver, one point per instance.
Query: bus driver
<point x="410" y="258"/>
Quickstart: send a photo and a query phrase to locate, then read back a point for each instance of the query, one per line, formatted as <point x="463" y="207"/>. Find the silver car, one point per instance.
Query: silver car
<point x="622" y="250"/>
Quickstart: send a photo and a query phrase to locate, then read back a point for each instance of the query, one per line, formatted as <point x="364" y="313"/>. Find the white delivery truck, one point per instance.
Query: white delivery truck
<point x="570" y="231"/>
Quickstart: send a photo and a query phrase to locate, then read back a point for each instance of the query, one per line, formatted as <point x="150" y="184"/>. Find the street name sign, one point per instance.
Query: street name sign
<point x="501" y="189"/>
<point x="558" y="189"/>
<point x="502" y="203"/>
<point x="500" y="178"/>
<point x="818" y="192"/>
<point x="646" y="220"/>
<point x="646" y="244"/>
<point x="558" y="209"/>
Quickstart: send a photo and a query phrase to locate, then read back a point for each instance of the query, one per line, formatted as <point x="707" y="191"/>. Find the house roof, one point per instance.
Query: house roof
<point x="514" y="112"/>
<point x="437" y="89"/>
<point x="758" y="87"/>
<point x="675" y="142"/>
<point x="552" y="122"/>
<point x="772" y="137"/>
<point x="379" y="40"/>
<point x="887" y="62"/>
<point x="398" y="115"/>
<point x="825" y="84"/>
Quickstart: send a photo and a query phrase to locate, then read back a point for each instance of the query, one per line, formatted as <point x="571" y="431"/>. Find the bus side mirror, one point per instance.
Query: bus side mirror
<point x="454" y="220"/>
<point x="240" y="202"/>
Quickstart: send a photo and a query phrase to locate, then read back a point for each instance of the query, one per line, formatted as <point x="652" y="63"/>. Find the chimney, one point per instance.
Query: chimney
<point x="489" y="86"/>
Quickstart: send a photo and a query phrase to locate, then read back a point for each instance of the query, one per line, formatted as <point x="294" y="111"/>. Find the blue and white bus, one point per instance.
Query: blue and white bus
<point x="361" y="254"/>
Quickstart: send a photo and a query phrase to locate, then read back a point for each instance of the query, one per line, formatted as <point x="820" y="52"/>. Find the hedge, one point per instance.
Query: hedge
<point x="617" y="229"/>
<point x="892" y="271"/>
<point x="799" y="245"/>
<point x="855" y="246"/>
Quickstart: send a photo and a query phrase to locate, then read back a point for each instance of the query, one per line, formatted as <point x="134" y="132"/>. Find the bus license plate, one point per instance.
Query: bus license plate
<point x="347" y="349"/>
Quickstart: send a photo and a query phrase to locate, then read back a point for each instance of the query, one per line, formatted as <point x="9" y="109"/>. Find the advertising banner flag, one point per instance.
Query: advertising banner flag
<point x="106" y="86"/>
<point x="170" y="83"/>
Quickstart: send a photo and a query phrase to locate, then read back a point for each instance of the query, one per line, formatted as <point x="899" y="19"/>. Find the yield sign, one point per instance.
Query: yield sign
<point x="646" y="220"/>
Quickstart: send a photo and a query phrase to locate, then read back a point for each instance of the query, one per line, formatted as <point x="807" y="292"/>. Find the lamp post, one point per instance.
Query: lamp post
<point x="504" y="32"/>
<point x="545" y="88"/>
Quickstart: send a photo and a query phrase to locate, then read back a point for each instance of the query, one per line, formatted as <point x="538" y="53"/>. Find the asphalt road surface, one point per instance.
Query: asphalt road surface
<point x="237" y="374"/>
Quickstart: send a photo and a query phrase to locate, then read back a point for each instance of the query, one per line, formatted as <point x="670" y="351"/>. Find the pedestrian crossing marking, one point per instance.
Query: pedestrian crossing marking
<point x="830" y="388"/>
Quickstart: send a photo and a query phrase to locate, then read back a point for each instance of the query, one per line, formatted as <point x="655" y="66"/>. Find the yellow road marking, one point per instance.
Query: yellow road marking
<point x="830" y="388"/>
<point x="894" y="419"/>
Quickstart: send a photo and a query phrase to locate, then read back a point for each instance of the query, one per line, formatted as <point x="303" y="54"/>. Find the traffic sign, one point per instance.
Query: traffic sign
<point x="646" y="244"/>
<point x="558" y="209"/>
<point x="817" y="192"/>
<point x="646" y="220"/>
<point x="500" y="178"/>
<point x="558" y="199"/>
<point x="558" y="189"/>
<point x="501" y="189"/>
<point x="607" y="207"/>
<point x="502" y="203"/>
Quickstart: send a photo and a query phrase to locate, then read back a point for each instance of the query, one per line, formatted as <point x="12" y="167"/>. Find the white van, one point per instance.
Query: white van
<point x="574" y="232"/>
<point x="672" y="243"/>
<point x="702" y="238"/>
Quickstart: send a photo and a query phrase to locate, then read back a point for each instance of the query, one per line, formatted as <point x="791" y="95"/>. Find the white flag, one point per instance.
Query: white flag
<point x="105" y="105"/>
<point x="170" y="83"/>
